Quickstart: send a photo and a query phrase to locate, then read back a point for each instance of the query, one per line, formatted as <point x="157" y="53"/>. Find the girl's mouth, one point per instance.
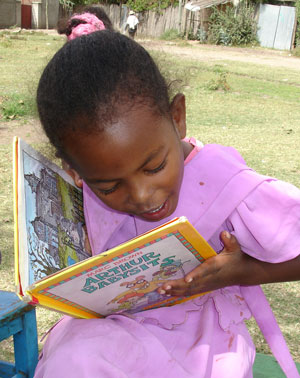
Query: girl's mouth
<point x="158" y="213"/>
<point x="156" y="210"/>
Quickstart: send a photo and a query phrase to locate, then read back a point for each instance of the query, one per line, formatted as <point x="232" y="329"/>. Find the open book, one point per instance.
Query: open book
<point x="53" y="266"/>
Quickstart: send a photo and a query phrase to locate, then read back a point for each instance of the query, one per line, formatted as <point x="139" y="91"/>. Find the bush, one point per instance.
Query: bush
<point x="201" y="35"/>
<point x="171" y="34"/>
<point x="144" y="5"/>
<point x="296" y="51"/>
<point x="219" y="83"/>
<point x="233" y="27"/>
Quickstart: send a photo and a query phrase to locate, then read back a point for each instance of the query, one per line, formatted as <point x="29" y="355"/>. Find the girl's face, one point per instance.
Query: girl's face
<point x="134" y="166"/>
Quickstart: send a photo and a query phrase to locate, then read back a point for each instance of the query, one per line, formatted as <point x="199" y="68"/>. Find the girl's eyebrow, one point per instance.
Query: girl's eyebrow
<point x="148" y="159"/>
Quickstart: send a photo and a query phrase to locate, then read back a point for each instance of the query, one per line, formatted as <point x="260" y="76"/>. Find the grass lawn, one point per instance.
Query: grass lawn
<point x="253" y="108"/>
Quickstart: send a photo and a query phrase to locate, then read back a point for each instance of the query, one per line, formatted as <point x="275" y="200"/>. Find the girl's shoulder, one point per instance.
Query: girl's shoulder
<point x="215" y="162"/>
<point x="216" y="152"/>
<point x="227" y="153"/>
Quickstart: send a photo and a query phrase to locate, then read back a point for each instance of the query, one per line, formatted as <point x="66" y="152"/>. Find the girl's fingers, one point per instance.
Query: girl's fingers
<point x="178" y="287"/>
<point x="198" y="272"/>
<point x="171" y="286"/>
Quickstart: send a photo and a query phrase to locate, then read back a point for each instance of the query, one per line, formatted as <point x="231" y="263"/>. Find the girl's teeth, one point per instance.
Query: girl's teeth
<point x="154" y="211"/>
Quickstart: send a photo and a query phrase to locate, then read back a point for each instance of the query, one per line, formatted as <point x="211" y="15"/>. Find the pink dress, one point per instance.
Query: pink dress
<point x="204" y="337"/>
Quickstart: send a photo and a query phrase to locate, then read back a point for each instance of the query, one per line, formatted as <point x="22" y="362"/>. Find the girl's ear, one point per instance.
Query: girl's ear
<point x="71" y="172"/>
<point x="178" y="114"/>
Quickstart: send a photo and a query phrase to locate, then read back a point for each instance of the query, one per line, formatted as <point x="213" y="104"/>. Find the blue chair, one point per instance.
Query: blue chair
<point x="18" y="319"/>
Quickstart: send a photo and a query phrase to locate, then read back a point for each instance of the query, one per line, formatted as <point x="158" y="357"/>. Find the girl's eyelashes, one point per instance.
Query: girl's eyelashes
<point x="149" y="171"/>
<point x="108" y="191"/>
<point x="157" y="169"/>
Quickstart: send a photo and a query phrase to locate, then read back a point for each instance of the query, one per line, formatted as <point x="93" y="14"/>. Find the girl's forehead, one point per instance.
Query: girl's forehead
<point x="134" y="138"/>
<point x="135" y="127"/>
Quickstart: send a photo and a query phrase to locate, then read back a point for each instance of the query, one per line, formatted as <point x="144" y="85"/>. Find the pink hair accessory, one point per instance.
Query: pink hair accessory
<point x="92" y="24"/>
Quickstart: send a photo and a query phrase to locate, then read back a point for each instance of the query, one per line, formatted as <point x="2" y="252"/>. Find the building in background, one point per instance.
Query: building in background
<point x="29" y="14"/>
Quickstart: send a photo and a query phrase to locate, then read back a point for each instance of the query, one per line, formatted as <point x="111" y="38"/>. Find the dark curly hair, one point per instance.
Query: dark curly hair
<point x="91" y="80"/>
<point x="65" y="25"/>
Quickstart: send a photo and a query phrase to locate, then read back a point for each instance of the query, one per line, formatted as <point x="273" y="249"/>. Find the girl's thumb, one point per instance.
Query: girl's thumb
<point x="230" y="242"/>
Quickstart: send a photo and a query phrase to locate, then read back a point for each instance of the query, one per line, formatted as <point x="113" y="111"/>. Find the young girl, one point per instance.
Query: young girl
<point x="105" y="107"/>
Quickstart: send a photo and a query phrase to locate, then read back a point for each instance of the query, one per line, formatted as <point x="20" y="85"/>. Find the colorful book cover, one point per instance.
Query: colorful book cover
<point x="60" y="274"/>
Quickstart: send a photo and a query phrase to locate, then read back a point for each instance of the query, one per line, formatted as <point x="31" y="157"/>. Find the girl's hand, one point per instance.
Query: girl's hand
<point x="231" y="267"/>
<point x="216" y="272"/>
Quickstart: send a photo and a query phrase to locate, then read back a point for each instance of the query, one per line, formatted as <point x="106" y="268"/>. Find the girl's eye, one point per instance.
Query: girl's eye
<point x="108" y="191"/>
<point x="157" y="169"/>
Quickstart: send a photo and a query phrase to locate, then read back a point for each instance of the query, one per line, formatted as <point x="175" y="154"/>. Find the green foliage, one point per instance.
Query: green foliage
<point x="5" y="41"/>
<point x="296" y="51"/>
<point x="135" y="5"/>
<point x="144" y="5"/>
<point x="16" y="106"/>
<point x="192" y="36"/>
<point x="218" y="83"/>
<point x="171" y="34"/>
<point x="201" y="35"/>
<point x="67" y="4"/>
<point x="73" y="3"/>
<point x="234" y="26"/>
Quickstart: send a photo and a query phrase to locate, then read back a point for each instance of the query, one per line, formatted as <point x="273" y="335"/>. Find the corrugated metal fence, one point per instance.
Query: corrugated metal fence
<point x="276" y="26"/>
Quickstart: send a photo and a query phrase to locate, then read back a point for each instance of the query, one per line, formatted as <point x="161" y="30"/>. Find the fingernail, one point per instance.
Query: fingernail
<point x="189" y="280"/>
<point x="227" y="234"/>
<point x="168" y="287"/>
<point x="162" y="292"/>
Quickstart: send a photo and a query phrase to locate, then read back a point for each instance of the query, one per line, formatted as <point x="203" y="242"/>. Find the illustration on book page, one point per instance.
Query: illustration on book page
<point x="56" y="233"/>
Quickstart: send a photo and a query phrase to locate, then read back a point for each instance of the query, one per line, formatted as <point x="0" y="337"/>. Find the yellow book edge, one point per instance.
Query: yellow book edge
<point x="16" y="219"/>
<point x="181" y="224"/>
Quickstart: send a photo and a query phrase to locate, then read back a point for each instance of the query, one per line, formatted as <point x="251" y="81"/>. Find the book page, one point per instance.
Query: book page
<point x="52" y="229"/>
<point x="128" y="282"/>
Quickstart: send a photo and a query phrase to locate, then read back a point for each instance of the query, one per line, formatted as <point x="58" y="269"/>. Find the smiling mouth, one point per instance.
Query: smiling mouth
<point x="155" y="210"/>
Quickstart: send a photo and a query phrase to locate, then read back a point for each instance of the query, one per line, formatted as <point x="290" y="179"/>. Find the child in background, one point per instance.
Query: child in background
<point x="105" y="107"/>
<point x="86" y="21"/>
<point x="132" y="23"/>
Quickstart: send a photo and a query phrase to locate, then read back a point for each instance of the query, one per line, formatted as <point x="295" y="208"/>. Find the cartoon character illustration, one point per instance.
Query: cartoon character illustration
<point x="128" y="302"/>
<point x="139" y="288"/>
<point x="142" y="292"/>
<point x="169" y="268"/>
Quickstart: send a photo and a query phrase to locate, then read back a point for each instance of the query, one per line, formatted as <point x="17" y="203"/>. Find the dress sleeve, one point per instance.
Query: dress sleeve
<point x="267" y="222"/>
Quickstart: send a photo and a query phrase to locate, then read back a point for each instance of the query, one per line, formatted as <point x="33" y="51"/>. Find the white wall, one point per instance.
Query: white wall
<point x="39" y="14"/>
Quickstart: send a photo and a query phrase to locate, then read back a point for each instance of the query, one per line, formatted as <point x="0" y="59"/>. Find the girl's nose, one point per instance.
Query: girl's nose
<point x="140" y="194"/>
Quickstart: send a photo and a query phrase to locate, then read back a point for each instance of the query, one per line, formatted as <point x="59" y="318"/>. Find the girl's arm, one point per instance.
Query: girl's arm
<point x="232" y="267"/>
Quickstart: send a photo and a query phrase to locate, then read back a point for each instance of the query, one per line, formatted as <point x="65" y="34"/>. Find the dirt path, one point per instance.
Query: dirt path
<point x="197" y="51"/>
<point x="193" y="50"/>
<point x="30" y="131"/>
